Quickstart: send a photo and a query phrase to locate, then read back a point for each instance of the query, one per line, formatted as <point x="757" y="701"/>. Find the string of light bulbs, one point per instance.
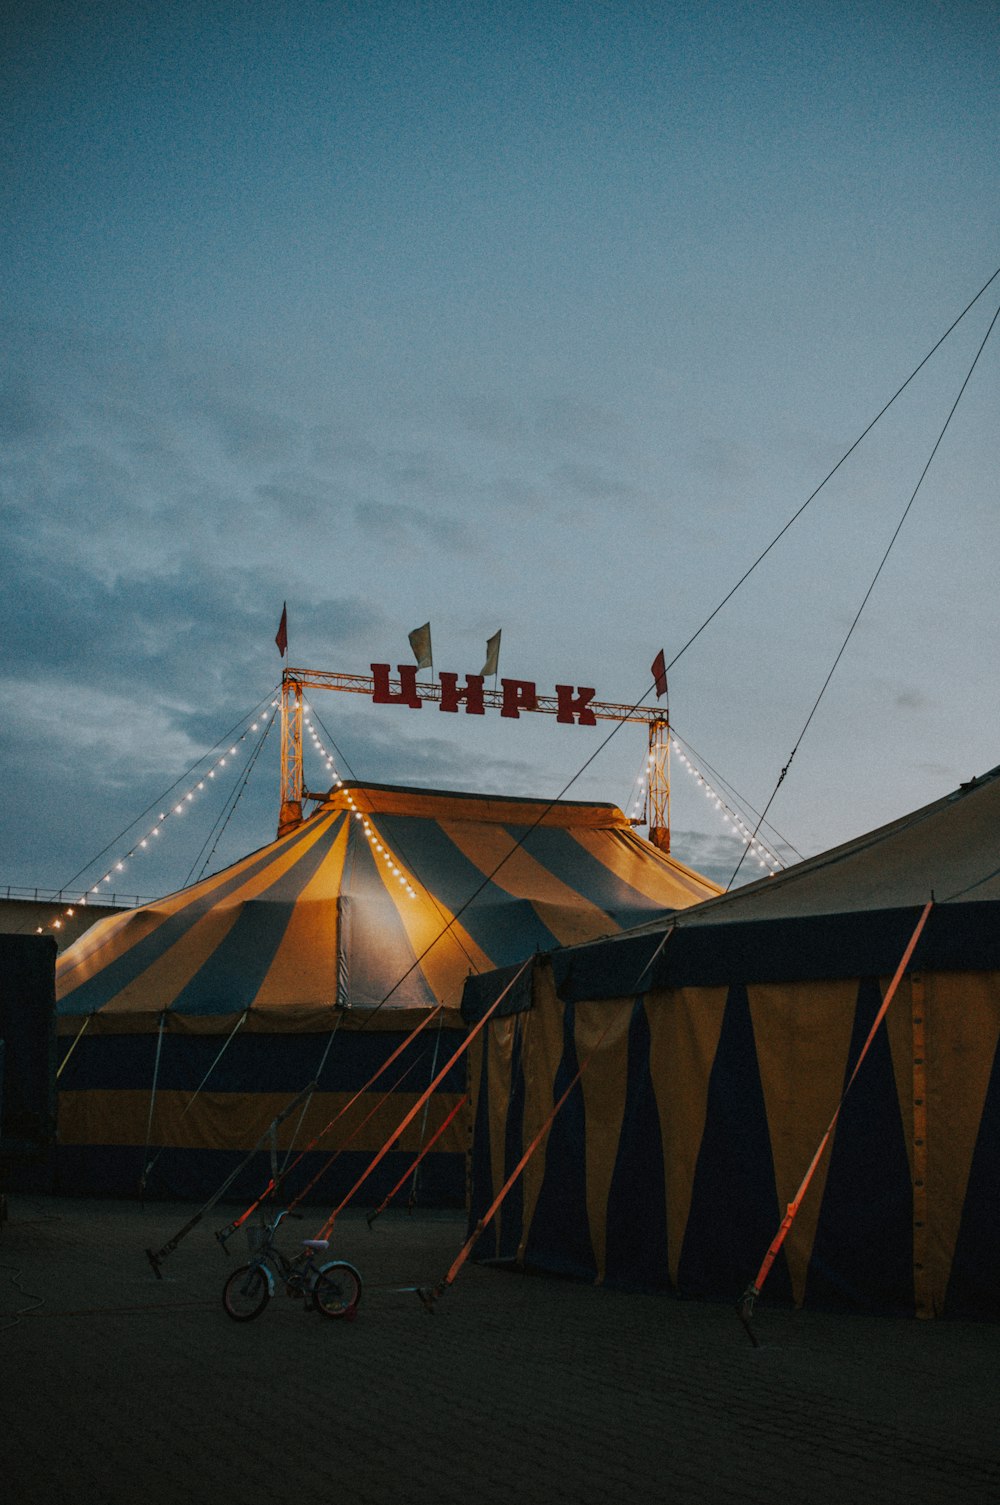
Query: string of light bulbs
<point x="155" y="831"/>
<point x="766" y="858"/>
<point x="317" y="743"/>
<point x="379" y="849"/>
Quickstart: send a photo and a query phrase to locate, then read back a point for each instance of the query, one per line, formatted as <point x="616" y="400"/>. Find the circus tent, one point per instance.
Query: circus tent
<point x="190" y="1022"/>
<point x="717" y="1047"/>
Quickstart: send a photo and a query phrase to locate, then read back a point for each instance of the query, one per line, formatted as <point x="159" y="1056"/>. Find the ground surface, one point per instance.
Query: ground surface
<point x="518" y="1389"/>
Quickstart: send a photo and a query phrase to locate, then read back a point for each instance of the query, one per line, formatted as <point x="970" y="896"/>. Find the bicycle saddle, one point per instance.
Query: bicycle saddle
<point x="316" y="1244"/>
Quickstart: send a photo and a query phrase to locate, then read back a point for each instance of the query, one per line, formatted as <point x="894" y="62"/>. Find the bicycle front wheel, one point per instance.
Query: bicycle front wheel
<point x="246" y="1293"/>
<point x="337" y="1290"/>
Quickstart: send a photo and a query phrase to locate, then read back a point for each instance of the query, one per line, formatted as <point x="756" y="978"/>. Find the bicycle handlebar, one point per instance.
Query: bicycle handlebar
<point x="285" y="1213"/>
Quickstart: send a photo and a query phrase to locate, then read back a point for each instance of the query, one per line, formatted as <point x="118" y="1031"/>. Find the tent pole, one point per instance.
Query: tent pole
<point x="147" y="1165"/>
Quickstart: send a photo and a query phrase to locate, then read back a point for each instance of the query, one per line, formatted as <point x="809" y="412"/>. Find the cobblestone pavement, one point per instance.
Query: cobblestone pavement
<point x="117" y="1387"/>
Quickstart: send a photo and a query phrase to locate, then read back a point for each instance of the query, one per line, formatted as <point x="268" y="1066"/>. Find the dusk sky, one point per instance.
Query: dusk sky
<point x="541" y="316"/>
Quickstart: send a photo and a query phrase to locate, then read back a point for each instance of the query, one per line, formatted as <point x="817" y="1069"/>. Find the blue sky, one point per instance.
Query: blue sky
<point x="541" y="316"/>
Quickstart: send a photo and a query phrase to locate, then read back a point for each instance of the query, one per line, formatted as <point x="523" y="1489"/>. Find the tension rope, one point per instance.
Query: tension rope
<point x="327" y="1227"/>
<point x="274" y="1185"/>
<point x="332" y="1158"/>
<point x="157" y="1256"/>
<point x="745" y="1306"/>
<point x="412" y="1169"/>
<point x="429" y="1295"/>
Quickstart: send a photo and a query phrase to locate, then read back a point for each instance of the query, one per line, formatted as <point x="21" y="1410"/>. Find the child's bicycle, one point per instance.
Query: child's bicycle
<point x="334" y="1289"/>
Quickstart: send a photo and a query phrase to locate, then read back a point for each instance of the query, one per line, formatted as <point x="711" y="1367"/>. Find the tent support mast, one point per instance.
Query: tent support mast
<point x="659" y="783"/>
<point x="290" y="814"/>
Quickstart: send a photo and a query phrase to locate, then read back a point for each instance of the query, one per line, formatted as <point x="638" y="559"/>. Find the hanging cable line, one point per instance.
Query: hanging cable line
<point x="829" y="476"/>
<point x="229" y="809"/>
<point x="734" y="793"/>
<point x="864" y="602"/>
<point x="681" y="651"/>
<point x="162" y="798"/>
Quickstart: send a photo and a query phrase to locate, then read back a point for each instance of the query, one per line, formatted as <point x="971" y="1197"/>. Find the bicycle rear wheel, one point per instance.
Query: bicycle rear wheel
<point x="337" y="1290"/>
<point x="246" y="1293"/>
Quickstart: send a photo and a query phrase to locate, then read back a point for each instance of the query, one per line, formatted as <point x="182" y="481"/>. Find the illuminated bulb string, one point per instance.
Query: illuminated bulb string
<point x="155" y="831"/>
<point x="327" y="757"/>
<point x="380" y="849"/>
<point x="766" y="859"/>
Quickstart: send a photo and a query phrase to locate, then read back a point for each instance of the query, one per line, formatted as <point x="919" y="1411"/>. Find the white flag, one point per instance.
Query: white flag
<point x="492" y="654"/>
<point x="420" y="642"/>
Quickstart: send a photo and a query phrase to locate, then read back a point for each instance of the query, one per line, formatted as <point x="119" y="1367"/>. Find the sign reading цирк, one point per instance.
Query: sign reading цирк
<point x="517" y="695"/>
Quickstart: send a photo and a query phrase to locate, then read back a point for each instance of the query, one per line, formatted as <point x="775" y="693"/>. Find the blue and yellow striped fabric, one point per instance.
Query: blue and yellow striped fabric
<point x="190" y="1023"/>
<point x="323" y="917"/>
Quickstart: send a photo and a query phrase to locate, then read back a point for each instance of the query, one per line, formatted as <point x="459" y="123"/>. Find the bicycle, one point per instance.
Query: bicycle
<point x="333" y="1289"/>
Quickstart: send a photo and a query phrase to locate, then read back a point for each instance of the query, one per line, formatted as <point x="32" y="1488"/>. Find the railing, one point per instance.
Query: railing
<point x="64" y="896"/>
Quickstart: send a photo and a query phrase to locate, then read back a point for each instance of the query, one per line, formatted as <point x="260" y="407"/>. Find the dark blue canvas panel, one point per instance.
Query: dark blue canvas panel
<point x="794" y="949"/>
<point x="258" y="1063"/>
<point x="453" y="879"/>
<point x="481" y="993"/>
<point x="734" y="1203"/>
<point x="862" y="1254"/>
<point x="974" y="1283"/>
<point x="559" y="1238"/>
<point x="636" y="1249"/>
<point x="567" y="859"/>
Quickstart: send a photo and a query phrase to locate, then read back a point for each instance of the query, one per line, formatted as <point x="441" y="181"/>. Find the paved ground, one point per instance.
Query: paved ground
<point x="114" y="1387"/>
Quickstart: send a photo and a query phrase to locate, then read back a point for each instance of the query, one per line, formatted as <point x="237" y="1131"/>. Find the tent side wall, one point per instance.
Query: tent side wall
<point x="117" y="1134"/>
<point x="691" y="1128"/>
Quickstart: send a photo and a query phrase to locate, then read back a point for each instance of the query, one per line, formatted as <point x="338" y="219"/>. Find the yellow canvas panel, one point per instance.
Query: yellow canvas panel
<point x="542" y="1048"/>
<point x="646" y="869"/>
<point x="119" y="933"/>
<point x="569" y="916"/>
<point x="236" y="1120"/>
<point x="803" y="1035"/>
<point x="304" y="967"/>
<point x="447" y="956"/>
<point x="684" y="1026"/>
<point x="963" y="1029"/>
<point x="604" y="1083"/>
<point x="171" y="972"/>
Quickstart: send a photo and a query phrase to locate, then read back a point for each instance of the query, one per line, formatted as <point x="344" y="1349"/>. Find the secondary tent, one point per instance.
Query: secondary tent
<point x="723" y="1039"/>
<point x="189" y="1024"/>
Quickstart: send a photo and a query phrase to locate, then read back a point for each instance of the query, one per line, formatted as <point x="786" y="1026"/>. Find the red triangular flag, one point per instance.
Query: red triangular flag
<point x="281" y="636"/>
<point x="659" y="673"/>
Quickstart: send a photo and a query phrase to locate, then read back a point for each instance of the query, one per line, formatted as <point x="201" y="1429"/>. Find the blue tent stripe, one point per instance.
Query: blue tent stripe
<point x="110" y="980"/>
<point x="559" y="1237"/>
<point x="636" y="1247"/>
<point x="505" y="930"/>
<point x="862" y="1253"/>
<point x="232" y="976"/>
<point x="569" y="861"/>
<point x="734" y="1201"/>
<point x="973" y="1287"/>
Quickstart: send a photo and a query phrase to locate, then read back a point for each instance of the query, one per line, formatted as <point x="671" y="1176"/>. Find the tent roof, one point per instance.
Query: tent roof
<point x="847" y="912"/>
<point x="384" y="895"/>
<point x="950" y="849"/>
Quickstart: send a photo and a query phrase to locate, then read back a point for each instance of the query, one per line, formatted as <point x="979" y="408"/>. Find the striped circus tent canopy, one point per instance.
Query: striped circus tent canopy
<point x="718" y="1046"/>
<point x="384" y="897"/>
<point x="189" y="1025"/>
